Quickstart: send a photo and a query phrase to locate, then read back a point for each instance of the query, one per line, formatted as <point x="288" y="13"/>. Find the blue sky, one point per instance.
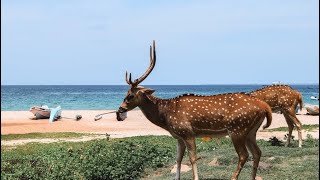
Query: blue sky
<point x="198" y="42"/>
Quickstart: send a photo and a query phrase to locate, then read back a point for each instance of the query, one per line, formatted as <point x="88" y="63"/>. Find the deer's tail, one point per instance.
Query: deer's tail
<point x="268" y="116"/>
<point x="300" y="101"/>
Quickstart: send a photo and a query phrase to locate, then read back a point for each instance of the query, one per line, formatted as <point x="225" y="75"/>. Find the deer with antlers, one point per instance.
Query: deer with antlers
<point x="189" y="116"/>
<point x="285" y="99"/>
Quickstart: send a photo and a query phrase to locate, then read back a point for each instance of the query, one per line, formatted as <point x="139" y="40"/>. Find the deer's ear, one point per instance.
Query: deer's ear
<point x="147" y="91"/>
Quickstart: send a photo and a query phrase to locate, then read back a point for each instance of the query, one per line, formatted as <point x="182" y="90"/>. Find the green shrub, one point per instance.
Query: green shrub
<point x="128" y="159"/>
<point x="99" y="159"/>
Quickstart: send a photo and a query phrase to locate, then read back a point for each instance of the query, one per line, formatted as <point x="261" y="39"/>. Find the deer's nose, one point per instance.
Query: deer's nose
<point x="122" y="110"/>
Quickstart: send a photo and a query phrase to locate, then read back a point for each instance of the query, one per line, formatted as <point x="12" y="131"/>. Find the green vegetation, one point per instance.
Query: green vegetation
<point x="305" y="127"/>
<point x="277" y="162"/>
<point x="44" y="135"/>
<point x="98" y="159"/>
<point x="152" y="157"/>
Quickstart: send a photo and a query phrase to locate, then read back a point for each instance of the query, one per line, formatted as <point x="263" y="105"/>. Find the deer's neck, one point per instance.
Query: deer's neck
<point x="153" y="109"/>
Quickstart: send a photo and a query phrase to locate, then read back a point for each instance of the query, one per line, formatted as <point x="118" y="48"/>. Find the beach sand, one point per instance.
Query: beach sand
<point x="19" y="122"/>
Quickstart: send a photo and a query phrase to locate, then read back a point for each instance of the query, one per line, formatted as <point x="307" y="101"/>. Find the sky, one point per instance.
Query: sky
<point x="82" y="42"/>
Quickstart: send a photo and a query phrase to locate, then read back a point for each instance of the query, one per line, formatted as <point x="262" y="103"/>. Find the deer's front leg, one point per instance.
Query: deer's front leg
<point x="181" y="148"/>
<point x="191" y="145"/>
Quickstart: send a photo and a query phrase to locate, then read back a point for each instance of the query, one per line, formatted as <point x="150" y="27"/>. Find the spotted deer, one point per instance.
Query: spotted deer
<point x="189" y="116"/>
<point x="285" y="99"/>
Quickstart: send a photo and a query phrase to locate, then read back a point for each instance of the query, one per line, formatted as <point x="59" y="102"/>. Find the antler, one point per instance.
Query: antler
<point x="145" y="75"/>
<point x="128" y="80"/>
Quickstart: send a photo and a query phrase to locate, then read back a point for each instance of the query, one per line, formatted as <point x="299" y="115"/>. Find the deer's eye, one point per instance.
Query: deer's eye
<point x="130" y="97"/>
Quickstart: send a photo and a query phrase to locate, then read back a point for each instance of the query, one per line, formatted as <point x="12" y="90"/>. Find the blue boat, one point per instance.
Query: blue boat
<point x="55" y="114"/>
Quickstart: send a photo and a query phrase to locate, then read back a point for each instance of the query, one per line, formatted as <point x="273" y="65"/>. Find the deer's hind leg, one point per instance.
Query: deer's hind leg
<point x="256" y="154"/>
<point x="292" y="115"/>
<point x="239" y="143"/>
<point x="251" y="143"/>
<point x="290" y="126"/>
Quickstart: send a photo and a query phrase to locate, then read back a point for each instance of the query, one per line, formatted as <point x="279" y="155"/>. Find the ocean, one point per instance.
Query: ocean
<point x="108" y="97"/>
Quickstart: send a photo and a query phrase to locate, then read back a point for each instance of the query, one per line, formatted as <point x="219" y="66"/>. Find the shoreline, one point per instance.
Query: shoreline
<point x="18" y="122"/>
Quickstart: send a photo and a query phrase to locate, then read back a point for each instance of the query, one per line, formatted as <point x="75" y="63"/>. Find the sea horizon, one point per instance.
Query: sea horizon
<point x="109" y="97"/>
<point x="265" y="84"/>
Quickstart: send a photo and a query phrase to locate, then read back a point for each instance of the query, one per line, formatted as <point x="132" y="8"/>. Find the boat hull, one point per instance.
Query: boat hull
<point x="40" y="112"/>
<point x="312" y="109"/>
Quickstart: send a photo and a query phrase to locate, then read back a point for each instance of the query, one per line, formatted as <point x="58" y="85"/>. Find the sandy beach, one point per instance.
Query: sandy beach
<point x="19" y="122"/>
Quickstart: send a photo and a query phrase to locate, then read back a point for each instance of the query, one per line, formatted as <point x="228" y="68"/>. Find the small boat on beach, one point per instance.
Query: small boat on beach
<point x="53" y="114"/>
<point x="312" y="109"/>
<point x="277" y="83"/>
<point x="314" y="98"/>
<point x="41" y="112"/>
<point x="44" y="112"/>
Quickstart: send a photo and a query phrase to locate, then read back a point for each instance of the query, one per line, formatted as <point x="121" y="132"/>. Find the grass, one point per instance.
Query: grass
<point x="306" y="127"/>
<point x="152" y="157"/>
<point x="97" y="159"/>
<point x="44" y="135"/>
<point x="277" y="163"/>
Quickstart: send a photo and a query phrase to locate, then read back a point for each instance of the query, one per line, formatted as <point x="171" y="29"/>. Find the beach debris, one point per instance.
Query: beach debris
<point x="107" y="136"/>
<point x="275" y="141"/>
<point x="287" y="136"/>
<point x="99" y="116"/>
<point x="312" y="109"/>
<point x="77" y="117"/>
